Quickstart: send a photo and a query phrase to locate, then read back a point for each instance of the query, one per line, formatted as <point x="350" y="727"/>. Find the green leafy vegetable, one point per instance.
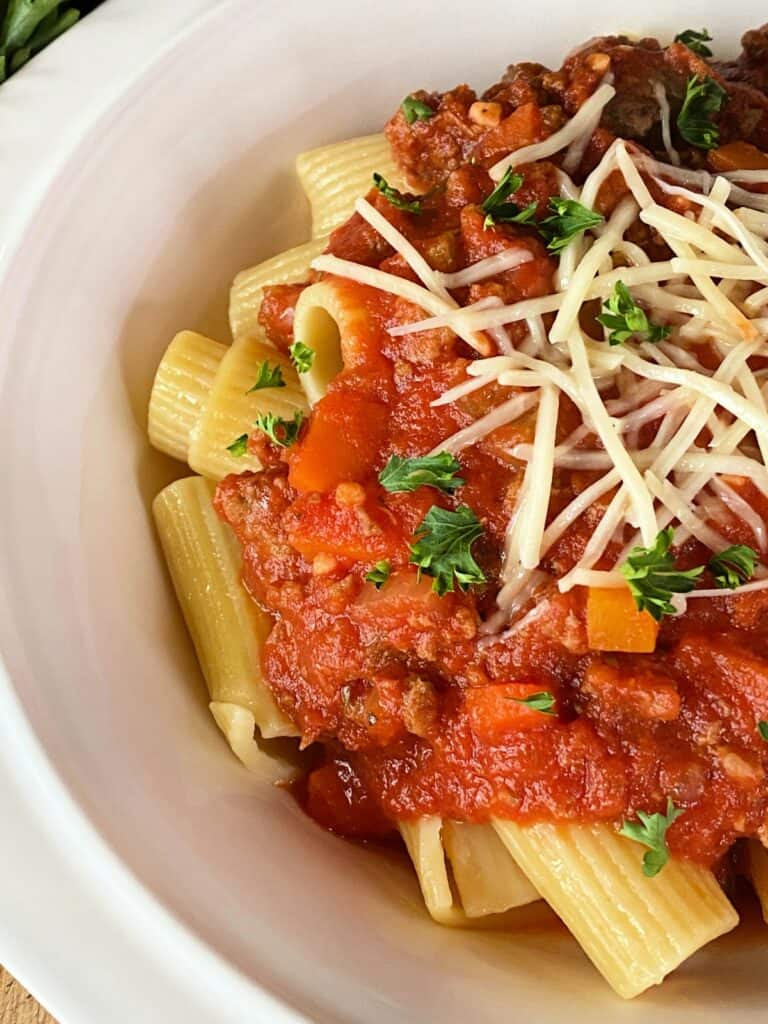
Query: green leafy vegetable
<point x="496" y="208"/>
<point x="762" y="728"/>
<point x="280" y="432"/>
<point x="437" y="471"/>
<point x="568" y="219"/>
<point x="379" y="574"/>
<point x="703" y="98"/>
<point x="303" y="356"/>
<point x="733" y="566"/>
<point x="416" y="110"/>
<point x="543" y="701"/>
<point x="26" y="26"/>
<point x="625" y="319"/>
<point x="268" y="377"/>
<point x="443" y="548"/>
<point x="651" y="831"/>
<point x="393" y="196"/>
<point x="695" y="41"/>
<point x="239" y="446"/>
<point x="653" y="577"/>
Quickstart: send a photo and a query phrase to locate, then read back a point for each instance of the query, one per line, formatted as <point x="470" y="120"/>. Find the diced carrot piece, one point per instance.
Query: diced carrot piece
<point x="738" y="156"/>
<point x="319" y="525"/>
<point x="345" y="434"/>
<point x="495" y="710"/>
<point x="615" y="624"/>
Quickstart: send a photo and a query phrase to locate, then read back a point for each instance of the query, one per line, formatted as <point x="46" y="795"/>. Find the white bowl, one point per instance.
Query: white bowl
<point x="144" y="876"/>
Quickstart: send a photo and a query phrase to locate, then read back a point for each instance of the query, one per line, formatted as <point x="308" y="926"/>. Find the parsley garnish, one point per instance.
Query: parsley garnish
<point x="762" y="728"/>
<point x="443" y="548"/>
<point x="280" y="432"/>
<point x="416" y="110"/>
<point x="543" y="701"/>
<point x="302" y="355"/>
<point x="268" y="377"/>
<point x="437" y="471"/>
<point x="652" y="832"/>
<point x="379" y="574"/>
<point x="625" y="318"/>
<point x="29" y="25"/>
<point x="496" y="208"/>
<point x="653" y="577"/>
<point x="393" y="196"/>
<point x="703" y="97"/>
<point x="695" y="41"/>
<point x="569" y="219"/>
<point x="733" y="566"/>
<point x="239" y="446"/>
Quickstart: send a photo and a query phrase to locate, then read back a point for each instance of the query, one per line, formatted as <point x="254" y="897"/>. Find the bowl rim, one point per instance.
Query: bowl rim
<point x="49" y="847"/>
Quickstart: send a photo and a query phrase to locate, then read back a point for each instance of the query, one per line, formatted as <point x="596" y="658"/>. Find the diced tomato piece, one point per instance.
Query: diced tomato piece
<point x="615" y="624"/>
<point x="338" y="800"/>
<point x="523" y="127"/>
<point x="495" y="710"/>
<point x="345" y="434"/>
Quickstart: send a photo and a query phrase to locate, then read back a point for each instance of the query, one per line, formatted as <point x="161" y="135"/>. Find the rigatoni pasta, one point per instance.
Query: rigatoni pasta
<point x="493" y="467"/>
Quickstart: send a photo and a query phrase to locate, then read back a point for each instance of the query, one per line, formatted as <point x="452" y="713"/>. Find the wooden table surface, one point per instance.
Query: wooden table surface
<point x="17" y="1006"/>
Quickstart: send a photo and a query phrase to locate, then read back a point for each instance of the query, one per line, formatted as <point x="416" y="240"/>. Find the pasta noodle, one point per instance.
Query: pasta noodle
<point x="333" y="177"/>
<point x="248" y="288"/>
<point x="232" y="408"/>
<point x="182" y="384"/>
<point x="634" y="929"/>
<point x="487" y="879"/>
<point x="226" y="627"/>
<point x="326" y="322"/>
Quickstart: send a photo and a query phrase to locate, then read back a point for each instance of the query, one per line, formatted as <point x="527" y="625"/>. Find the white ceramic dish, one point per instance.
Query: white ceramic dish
<point x="144" y="875"/>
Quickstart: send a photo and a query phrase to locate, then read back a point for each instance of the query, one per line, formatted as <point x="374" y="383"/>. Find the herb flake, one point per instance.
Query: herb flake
<point x="416" y="110"/>
<point x="703" y="98"/>
<point x="568" y="220"/>
<point x="379" y="574"/>
<point x="498" y="210"/>
<point x="651" y="831"/>
<point x="695" y="41"/>
<point x="239" y="446"/>
<point x="762" y="728"/>
<point x="733" y="566"/>
<point x="280" y="432"/>
<point x="268" y="377"/>
<point x="543" y="701"/>
<point x="653" y="577"/>
<point x="442" y="549"/>
<point x="438" y="471"/>
<point x="394" y="196"/>
<point x="302" y="356"/>
<point x="625" y="319"/>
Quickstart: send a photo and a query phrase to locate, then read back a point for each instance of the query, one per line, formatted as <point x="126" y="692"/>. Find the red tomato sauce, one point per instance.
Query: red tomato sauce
<point x="417" y="710"/>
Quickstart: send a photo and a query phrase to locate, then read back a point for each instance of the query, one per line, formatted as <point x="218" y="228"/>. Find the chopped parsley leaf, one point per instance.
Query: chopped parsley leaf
<point x="379" y="574"/>
<point x="302" y="356"/>
<point x="442" y="549"/>
<point x="239" y="446"/>
<point x="395" y="197"/>
<point x="568" y="220"/>
<point x="542" y="701"/>
<point x="651" y="831"/>
<point x="268" y="377"/>
<point x="280" y="432"/>
<point x="762" y="728"/>
<point x="437" y="471"/>
<point x="496" y="208"/>
<point x="625" y="319"/>
<point x="695" y="41"/>
<point x="733" y="566"/>
<point x="416" y="110"/>
<point x="653" y="577"/>
<point x="703" y="98"/>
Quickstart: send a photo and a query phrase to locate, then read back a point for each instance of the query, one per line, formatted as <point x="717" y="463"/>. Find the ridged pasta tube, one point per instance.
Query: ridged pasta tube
<point x="232" y="407"/>
<point x="333" y="177"/>
<point x="487" y="878"/>
<point x="634" y="929"/>
<point x="247" y="292"/>
<point x="182" y="384"/>
<point x="227" y="628"/>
